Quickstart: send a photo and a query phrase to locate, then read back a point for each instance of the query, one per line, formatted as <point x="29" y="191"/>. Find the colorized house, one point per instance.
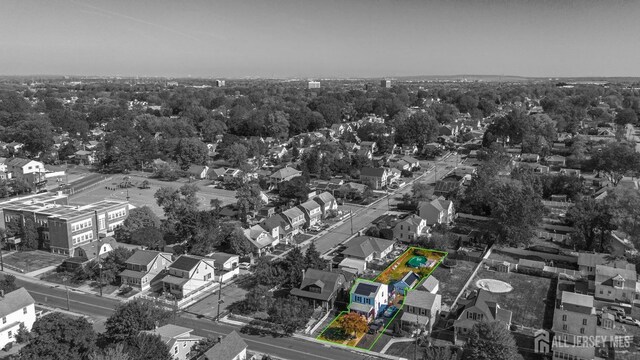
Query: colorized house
<point x="260" y="239"/>
<point x="232" y="347"/>
<point x="409" y="228"/>
<point x="408" y="281"/>
<point x="321" y="288"/>
<point x="144" y="269"/>
<point x="312" y="212"/>
<point x="187" y="274"/>
<point x="368" y="298"/>
<point x="16" y="308"/>
<point x="178" y="339"/>
<point x="284" y="174"/>
<point x="295" y="218"/>
<point x="480" y="306"/>
<point x="367" y="248"/>
<point x="421" y="310"/>
<point x="437" y="211"/>
<point x="327" y="203"/>
<point x="375" y="178"/>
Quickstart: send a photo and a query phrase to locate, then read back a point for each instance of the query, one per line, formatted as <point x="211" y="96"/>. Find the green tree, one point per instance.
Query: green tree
<point x="420" y="191"/>
<point x="291" y="314"/>
<point x="132" y="317"/>
<point x="420" y="128"/>
<point x="615" y="160"/>
<point x="312" y="258"/>
<point x="490" y="341"/>
<point x="139" y="218"/>
<point x="294" y="264"/>
<point x="191" y="151"/>
<point x="8" y="283"/>
<point x="30" y="236"/>
<point x="113" y="352"/>
<point x="57" y="336"/>
<point x="249" y="200"/>
<point x="625" y="208"/>
<point x="294" y="189"/>
<point x="593" y="221"/>
<point x="626" y="116"/>
<point x="236" y="154"/>
<point x="148" y="346"/>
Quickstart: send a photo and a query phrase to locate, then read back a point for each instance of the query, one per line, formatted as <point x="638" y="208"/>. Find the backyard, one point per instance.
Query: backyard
<point x="414" y="259"/>
<point x="528" y="299"/>
<point x="29" y="261"/>
<point x="452" y="279"/>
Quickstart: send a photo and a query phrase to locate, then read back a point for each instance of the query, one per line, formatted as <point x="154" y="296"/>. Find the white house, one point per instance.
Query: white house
<point x="410" y="228"/>
<point x="437" y="211"/>
<point x="16" y="307"/>
<point x="179" y="340"/>
<point x="187" y="274"/>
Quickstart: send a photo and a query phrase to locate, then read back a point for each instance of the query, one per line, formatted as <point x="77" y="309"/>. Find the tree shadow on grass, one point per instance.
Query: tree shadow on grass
<point x="335" y="334"/>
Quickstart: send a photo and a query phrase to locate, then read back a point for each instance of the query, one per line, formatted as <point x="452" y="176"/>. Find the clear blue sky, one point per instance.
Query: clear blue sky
<point x="320" y="38"/>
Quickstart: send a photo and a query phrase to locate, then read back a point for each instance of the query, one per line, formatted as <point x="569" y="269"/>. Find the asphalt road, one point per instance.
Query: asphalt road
<point x="365" y="216"/>
<point x="285" y="347"/>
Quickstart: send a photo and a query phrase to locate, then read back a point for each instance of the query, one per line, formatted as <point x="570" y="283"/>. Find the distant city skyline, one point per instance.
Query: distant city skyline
<point x="320" y="39"/>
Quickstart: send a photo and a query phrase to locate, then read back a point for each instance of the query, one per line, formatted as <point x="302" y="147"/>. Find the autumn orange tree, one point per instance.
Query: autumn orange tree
<point x="353" y="323"/>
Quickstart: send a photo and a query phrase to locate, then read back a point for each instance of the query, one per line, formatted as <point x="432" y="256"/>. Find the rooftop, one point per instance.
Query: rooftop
<point x="15" y="301"/>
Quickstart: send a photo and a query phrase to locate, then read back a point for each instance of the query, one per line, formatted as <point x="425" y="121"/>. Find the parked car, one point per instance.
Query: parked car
<point x="390" y="311"/>
<point x="314" y="228"/>
<point x="375" y="326"/>
<point x="626" y="320"/>
<point x="616" y="310"/>
<point x="245" y="266"/>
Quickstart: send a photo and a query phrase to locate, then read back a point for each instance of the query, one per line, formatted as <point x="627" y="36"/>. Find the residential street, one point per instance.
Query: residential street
<point x="363" y="217"/>
<point x="286" y="348"/>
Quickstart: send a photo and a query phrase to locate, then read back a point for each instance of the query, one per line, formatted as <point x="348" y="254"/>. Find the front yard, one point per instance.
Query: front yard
<point x="335" y="334"/>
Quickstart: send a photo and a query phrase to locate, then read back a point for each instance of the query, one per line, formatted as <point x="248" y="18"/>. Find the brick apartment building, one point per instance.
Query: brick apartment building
<point x="65" y="227"/>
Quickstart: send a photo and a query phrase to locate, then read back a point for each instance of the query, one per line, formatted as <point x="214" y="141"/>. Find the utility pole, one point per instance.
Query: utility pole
<point x="415" y="347"/>
<point x="4" y="241"/>
<point x="219" y="298"/>
<point x="351" y="218"/>
<point x="66" y="285"/>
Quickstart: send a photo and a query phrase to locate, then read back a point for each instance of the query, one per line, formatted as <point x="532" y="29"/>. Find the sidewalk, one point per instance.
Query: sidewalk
<point x="308" y="338"/>
<point x="394" y="341"/>
<point x="33" y="280"/>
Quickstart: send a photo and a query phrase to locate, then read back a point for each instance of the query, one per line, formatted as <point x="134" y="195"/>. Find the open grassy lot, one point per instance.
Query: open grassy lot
<point x="141" y="197"/>
<point x="452" y="279"/>
<point x="399" y="267"/>
<point x="528" y="299"/>
<point x="32" y="260"/>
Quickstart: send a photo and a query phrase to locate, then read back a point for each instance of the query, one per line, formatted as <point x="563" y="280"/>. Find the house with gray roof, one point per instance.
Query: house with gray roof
<point x="16" y="308"/>
<point x="232" y="347"/>
<point x="178" y="339"/>
<point x="420" y="310"/>
<point x="188" y="274"/>
<point x="437" y="211"/>
<point x="321" y="288"/>
<point x="479" y="306"/>
<point x="260" y="239"/>
<point x="367" y="248"/>
<point x="295" y="218"/>
<point x="327" y="202"/>
<point x="312" y="212"/>
<point x="144" y="269"/>
<point x="284" y="174"/>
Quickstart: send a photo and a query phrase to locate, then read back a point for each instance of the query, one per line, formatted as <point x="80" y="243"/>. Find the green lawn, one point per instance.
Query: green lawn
<point x="32" y="260"/>
<point x="526" y="301"/>
<point x="452" y="279"/>
<point x="334" y="333"/>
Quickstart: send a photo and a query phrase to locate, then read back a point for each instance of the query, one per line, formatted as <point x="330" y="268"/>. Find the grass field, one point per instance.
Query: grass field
<point x="452" y="280"/>
<point x="334" y="333"/>
<point x="141" y="197"/>
<point x="32" y="260"/>
<point x="526" y="301"/>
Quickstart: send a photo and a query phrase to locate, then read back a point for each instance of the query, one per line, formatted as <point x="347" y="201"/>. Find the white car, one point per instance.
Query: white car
<point x="245" y="266"/>
<point x="627" y="320"/>
<point x="314" y="228"/>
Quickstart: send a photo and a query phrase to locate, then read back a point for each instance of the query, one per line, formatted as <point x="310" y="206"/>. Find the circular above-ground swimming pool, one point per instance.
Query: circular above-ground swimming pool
<point x="417" y="261"/>
<point x="494" y="286"/>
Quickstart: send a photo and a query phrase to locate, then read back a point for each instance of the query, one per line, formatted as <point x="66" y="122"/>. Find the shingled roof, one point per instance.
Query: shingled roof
<point x="227" y="349"/>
